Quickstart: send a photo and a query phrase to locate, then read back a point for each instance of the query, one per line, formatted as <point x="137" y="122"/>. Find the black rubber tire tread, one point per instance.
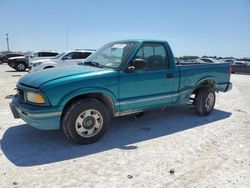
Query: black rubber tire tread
<point x="200" y="100"/>
<point x="68" y="122"/>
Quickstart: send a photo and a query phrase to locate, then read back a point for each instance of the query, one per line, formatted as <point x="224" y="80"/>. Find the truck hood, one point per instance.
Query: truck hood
<point x="36" y="79"/>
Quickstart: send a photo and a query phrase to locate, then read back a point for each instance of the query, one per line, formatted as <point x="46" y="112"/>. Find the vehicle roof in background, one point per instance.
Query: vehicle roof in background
<point x="81" y="50"/>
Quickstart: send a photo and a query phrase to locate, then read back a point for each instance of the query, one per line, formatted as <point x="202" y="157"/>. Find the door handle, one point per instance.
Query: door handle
<point x="170" y="75"/>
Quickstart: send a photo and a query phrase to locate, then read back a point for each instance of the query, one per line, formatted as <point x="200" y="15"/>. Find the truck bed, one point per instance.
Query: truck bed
<point x="192" y="74"/>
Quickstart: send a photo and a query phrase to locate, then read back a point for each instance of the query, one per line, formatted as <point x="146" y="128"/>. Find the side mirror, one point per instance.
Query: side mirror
<point x="137" y="64"/>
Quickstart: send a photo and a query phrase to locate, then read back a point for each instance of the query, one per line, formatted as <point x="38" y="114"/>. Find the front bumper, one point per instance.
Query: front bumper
<point x="36" y="116"/>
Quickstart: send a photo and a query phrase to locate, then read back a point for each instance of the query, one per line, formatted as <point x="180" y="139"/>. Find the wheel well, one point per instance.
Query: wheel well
<point x="205" y="83"/>
<point x="106" y="100"/>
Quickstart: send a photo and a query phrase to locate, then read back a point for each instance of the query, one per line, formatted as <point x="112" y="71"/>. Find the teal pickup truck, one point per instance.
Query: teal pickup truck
<point x="121" y="78"/>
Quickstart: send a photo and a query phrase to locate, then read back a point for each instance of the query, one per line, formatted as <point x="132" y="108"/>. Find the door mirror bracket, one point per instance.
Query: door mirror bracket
<point x="136" y="64"/>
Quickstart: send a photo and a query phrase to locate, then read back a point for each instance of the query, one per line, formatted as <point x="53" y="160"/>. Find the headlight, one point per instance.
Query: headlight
<point x="36" y="64"/>
<point x="35" y="98"/>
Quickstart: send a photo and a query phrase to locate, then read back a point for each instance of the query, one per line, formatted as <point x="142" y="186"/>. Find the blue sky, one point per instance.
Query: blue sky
<point x="193" y="27"/>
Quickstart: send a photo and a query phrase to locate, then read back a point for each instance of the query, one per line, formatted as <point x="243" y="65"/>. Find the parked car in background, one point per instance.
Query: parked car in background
<point x="21" y="63"/>
<point x="5" y="58"/>
<point x="240" y="67"/>
<point x="73" y="57"/>
<point x="206" y="60"/>
<point x="231" y="61"/>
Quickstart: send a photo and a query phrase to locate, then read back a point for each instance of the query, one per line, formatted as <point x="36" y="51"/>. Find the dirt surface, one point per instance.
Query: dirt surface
<point x="170" y="148"/>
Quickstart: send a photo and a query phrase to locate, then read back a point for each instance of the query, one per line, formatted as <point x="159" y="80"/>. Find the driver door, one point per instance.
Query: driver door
<point x="149" y="87"/>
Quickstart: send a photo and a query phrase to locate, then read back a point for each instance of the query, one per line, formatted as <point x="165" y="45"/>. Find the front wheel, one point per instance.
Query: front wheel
<point x="204" y="101"/>
<point x="21" y="67"/>
<point x="86" y="121"/>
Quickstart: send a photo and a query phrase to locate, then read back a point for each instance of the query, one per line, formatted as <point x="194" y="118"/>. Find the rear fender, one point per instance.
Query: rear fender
<point x="210" y="80"/>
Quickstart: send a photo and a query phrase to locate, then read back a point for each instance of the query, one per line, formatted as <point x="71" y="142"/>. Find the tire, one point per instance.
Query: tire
<point x="86" y="121"/>
<point x="21" y="67"/>
<point x="204" y="101"/>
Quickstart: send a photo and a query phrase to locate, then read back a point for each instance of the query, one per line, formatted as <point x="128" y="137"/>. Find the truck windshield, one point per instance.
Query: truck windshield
<point x="111" y="55"/>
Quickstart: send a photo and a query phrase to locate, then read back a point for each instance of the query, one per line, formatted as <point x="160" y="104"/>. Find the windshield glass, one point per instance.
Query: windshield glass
<point x="111" y="55"/>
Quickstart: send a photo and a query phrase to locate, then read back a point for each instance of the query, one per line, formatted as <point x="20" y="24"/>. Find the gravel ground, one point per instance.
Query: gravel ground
<point x="212" y="151"/>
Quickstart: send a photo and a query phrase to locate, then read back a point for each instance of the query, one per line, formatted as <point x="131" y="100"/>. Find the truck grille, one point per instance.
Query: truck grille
<point x="20" y="95"/>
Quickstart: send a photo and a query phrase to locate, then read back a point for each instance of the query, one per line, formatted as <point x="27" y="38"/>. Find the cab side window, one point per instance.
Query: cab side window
<point x="36" y="54"/>
<point x="40" y="54"/>
<point x="84" y="55"/>
<point x="72" y="55"/>
<point x="48" y="54"/>
<point x="154" y="55"/>
<point x="75" y="55"/>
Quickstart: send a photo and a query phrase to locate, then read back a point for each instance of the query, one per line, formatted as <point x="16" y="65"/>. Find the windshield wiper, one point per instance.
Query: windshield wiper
<point x="91" y="63"/>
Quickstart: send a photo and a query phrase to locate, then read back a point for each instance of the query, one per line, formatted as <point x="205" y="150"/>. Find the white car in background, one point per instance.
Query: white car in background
<point x="72" y="57"/>
<point x="231" y="61"/>
<point x="41" y="55"/>
<point x="207" y="60"/>
<point x="21" y="63"/>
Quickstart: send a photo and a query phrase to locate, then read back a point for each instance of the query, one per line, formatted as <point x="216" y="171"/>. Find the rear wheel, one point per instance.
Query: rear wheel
<point x="204" y="101"/>
<point x="86" y="121"/>
<point x="21" y="66"/>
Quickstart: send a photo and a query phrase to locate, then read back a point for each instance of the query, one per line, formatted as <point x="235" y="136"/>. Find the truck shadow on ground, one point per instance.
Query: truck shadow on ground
<point x="27" y="146"/>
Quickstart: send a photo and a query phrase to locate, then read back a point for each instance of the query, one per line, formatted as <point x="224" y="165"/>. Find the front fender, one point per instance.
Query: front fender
<point x="83" y="91"/>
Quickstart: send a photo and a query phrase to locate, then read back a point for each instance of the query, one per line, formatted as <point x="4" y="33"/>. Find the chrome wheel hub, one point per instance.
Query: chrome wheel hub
<point x="89" y="123"/>
<point x="21" y="66"/>
<point x="209" y="102"/>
